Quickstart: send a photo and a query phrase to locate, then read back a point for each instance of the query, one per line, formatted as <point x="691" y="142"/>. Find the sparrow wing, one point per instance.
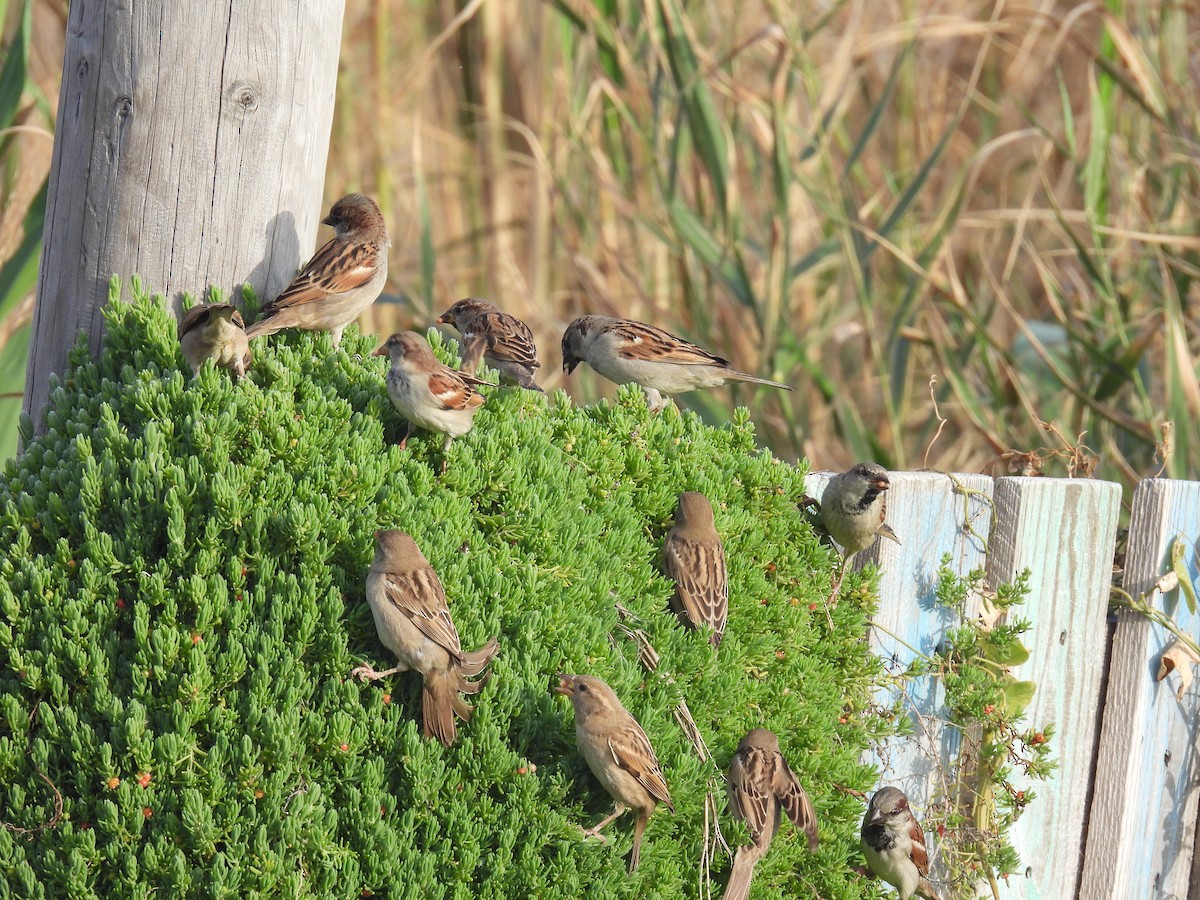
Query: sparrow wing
<point x="453" y="390"/>
<point x="920" y="856"/>
<point x="419" y="595"/>
<point x="795" y="802"/>
<point x="639" y="341"/>
<point x="338" y="267"/>
<point x="701" y="581"/>
<point x="196" y="317"/>
<point x="508" y="338"/>
<point x="631" y="750"/>
<point x="750" y="795"/>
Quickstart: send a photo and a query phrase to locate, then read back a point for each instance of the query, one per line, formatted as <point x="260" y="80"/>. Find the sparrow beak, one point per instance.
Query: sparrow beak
<point x="569" y="365"/>
<point x="328" y="220"/>
<point x="444" y="319"/>
<point x="881" y="484"/>
<point x="377" y="533"/>
<point x="381" y="350"/>
<point x="566" y="685"/>
<point x="876" y="816"/>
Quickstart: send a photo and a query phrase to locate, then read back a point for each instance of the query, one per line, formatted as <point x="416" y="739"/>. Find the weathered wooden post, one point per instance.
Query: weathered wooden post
<point x="190" y="149"/>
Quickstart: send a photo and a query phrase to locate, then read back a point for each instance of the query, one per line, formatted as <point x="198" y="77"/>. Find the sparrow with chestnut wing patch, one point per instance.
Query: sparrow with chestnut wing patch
<point x="341" y="281"/>
<point x="504" y="342"/>
<point x="629" y="352"/>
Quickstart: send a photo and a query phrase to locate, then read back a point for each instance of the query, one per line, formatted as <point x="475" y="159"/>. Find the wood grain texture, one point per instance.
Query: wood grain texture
<point x="933" y="515"/>
<point x="1142" y="822"/>
<point x="1063" y="531"/>
<point x="190" y="148"/>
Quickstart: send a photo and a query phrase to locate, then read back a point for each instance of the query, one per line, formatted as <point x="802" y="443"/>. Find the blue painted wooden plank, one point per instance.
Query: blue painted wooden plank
<point x="1063" y="531"/>
<point x="933" y="514"/>
<point x="1143" y="817"/>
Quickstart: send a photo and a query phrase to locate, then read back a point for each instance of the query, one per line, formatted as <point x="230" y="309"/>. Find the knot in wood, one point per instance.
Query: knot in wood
<point x="123" y="106"/>
<point x="82" y="69"/>
<point x="244" y="97"/>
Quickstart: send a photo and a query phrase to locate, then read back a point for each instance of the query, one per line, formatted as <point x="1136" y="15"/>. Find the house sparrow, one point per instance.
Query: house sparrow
<point x="428" y="393"/>
<point x="694" y="558"/>
<point x="894" y="845"/>
<point x="504" y="342"/>
<point x="761" y="786"/>
<point x="627" y="352"/>
<point x="215" y="331"/>
<point x="854" y="506"/>
<point x="341" y="281"/>
<point x="618" y="753"/>
<point x="413" y="621"/>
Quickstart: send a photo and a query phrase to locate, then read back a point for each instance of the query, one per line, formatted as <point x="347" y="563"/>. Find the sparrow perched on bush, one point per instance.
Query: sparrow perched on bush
<point x="413" y="621"/>
<point x="854" y="507"/>
<point x="215" y="331"/>
<point x="504" y="342"/>
<point x="341" y="281"/>
<point x="694" y="558"/>
<point x="894" y="845"/>
<point x="761" y="787"/>
<point x="427" y="392"/>
<point x="618" y="753"/>
<point x="629" y="352"/>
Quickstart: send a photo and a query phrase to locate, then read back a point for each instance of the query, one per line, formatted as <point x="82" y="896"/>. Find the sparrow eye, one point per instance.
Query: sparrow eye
<point x="582" y="688"/>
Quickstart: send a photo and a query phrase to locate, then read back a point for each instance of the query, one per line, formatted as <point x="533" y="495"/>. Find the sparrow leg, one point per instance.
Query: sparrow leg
<point x="239" y="370"/>
<point x="407" y="432"/>
<point x="837" y="584"/>
<point x="337" y="336"/>
<point x="594" y="831"/>
<point x="366" y="673"/>
<point x="656" y="401"/>
<point x="445" y="450"/>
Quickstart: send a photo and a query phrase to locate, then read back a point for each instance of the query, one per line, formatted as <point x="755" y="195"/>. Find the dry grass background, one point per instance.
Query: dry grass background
<point x="945" y="223"/>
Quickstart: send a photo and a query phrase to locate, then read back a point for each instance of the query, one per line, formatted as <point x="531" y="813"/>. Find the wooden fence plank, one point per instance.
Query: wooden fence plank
<point x="1142" y="822"/>
<point x="1063" y="531"/>
<point x="933" y="515"/>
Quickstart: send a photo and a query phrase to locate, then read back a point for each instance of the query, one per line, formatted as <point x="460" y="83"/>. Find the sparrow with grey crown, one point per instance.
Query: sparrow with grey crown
<point x="628" y="352"/>
<point x="215" y="331"/>
<point x="694" y="558"/>
<point x="762" y="786"/>
<point x="619" y="754"/>
<point x="426" y="391"/>
<point x="413" y="620"/>
<point x="894" y="845"/>
<point x="853" y="510"/>
<point x="340" y="281"/>
<point x="504" y="342"/>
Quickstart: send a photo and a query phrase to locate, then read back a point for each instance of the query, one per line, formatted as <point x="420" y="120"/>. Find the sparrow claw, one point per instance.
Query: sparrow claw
<point x="364" y="673"/>
<point x="592" y="832"/>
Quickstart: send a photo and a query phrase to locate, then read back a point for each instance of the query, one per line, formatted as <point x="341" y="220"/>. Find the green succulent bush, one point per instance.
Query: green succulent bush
<point x="181" y="603"/>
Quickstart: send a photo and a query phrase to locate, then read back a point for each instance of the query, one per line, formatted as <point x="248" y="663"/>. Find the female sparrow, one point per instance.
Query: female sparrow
<point x="215" y="331"/>
<point x="504" y="342"/>
<point x="761" y="786"/>
<point x="413" y="621"/>
<point x="894" y="845"/>
<point x="618" y="753"/>
<point x="341" y="281"/>
<point x="694" y="558"/>
<point x="629" y="352"/>
<point x="427" y="392"/>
